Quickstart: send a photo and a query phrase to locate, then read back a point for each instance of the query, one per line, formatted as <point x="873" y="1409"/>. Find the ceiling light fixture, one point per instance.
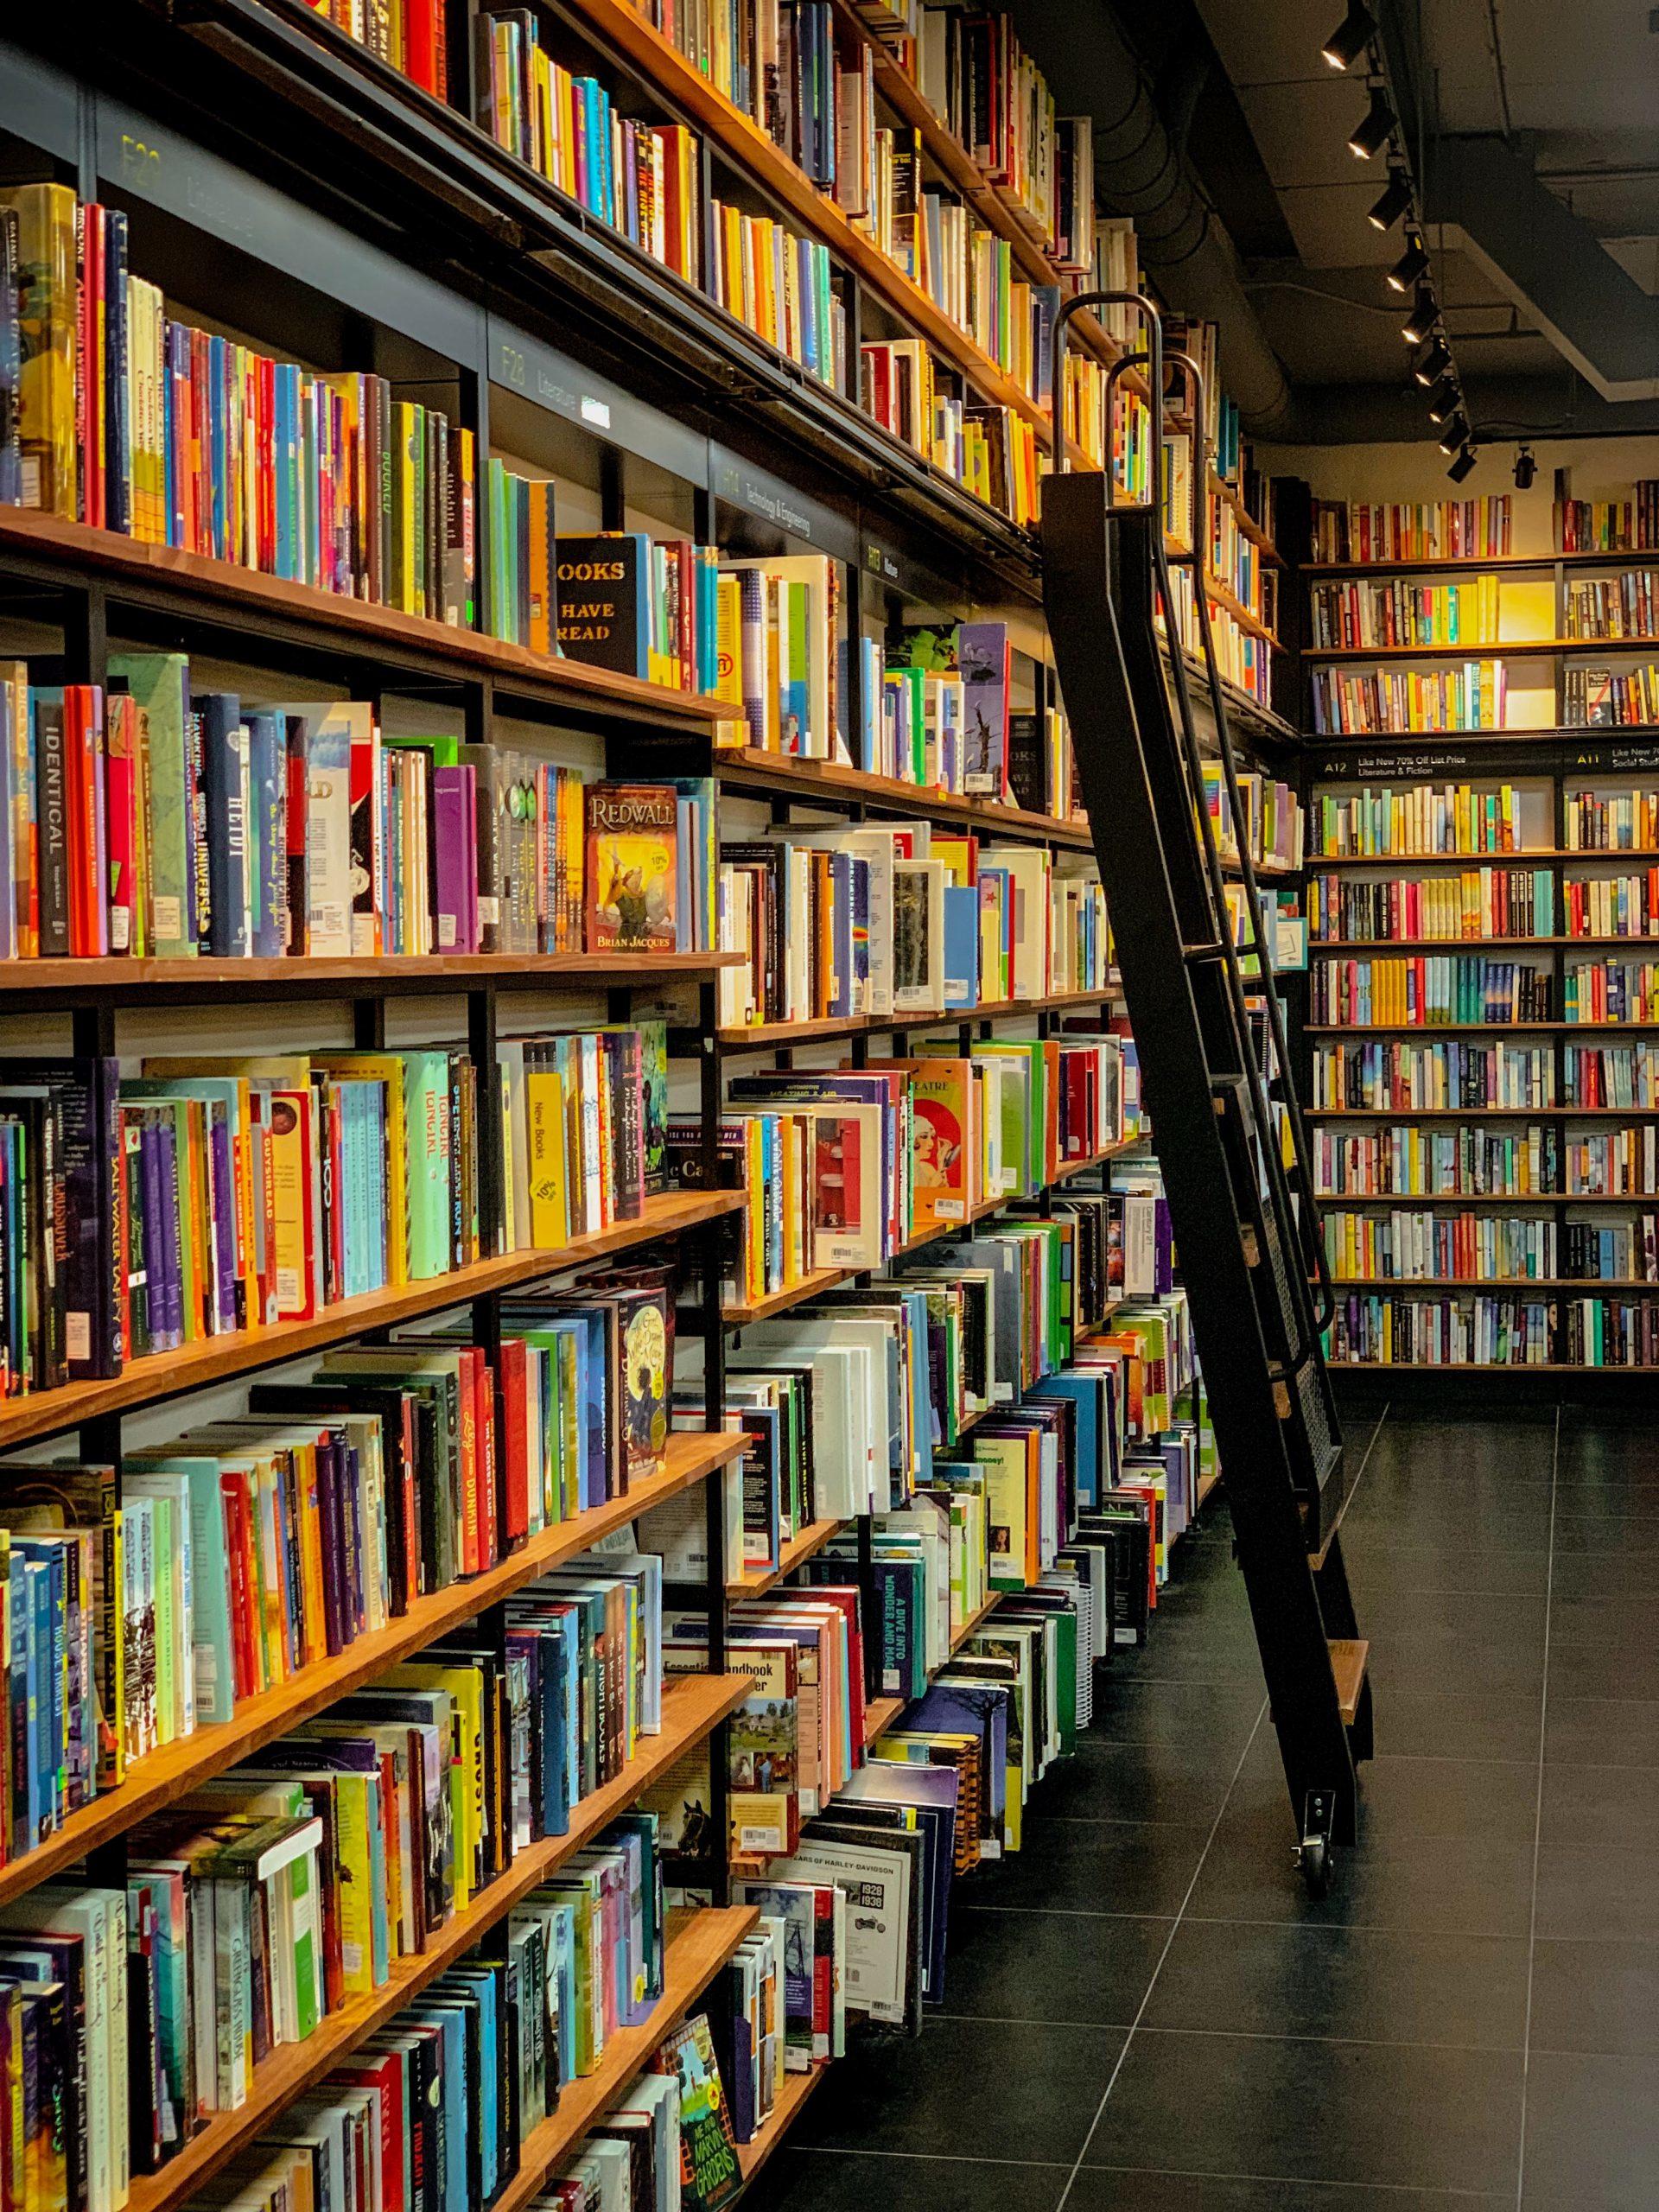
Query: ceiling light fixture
<point x="1525" y="469"/>
<point x="1372" y="133"/>
<point x="1422" y="318"/>
<point x="1461" y="466"/>
<point x="1394" y="202"/>
<point x="1431" y="363"/>
<point x="1456" y="433"/>
<point x="1411" y="264"/>
<point x="1351" y="37"/>
<point x="1443" y="400"/>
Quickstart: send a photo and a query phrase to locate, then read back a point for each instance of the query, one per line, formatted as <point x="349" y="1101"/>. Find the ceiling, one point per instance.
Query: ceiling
<point x="1559" y="97"/>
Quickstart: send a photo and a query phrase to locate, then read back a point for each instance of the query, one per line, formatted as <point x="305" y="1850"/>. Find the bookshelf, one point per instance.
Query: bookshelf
<point x="674" y="418"/>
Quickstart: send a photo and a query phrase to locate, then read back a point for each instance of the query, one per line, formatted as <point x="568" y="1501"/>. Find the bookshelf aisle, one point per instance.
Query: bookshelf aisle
<point x="589" y="1338"/>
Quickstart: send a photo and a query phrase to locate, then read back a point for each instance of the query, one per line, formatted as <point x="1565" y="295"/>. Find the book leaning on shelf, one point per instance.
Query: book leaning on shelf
<point x="214" y="1195"/>
<point x="258" y="1547"/>
<point x="132" y="421"/>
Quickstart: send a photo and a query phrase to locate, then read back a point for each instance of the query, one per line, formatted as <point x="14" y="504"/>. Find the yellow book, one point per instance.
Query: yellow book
<point x="46" y="318"/>
<point x="550" y="1202"/>
<point x="355" y="1887"/>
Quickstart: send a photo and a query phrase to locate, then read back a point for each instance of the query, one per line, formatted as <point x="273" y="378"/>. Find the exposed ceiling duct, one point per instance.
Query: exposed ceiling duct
<point x="1141" y="169"/>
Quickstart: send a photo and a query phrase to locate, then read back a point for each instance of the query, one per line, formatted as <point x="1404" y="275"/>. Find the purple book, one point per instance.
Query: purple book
<point x="983" y="656"/>
<point x="455" y="803"/>
<point x="352" y="1553"/>
<point x="329" y="1516"/>
<point x="167" y="1176"/>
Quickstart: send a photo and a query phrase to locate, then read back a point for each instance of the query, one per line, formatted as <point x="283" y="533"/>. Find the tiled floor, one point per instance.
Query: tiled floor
<point x="1145" y="2012"/>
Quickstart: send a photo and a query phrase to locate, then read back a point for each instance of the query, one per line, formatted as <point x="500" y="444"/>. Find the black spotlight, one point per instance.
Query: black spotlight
<point x="1461" y="466"/>
<point x="1443" y="400"/>
<point x="1411" y="264"/>
<point x="1525" y="469"/>
<point x="1351" y="37"/>
<point x="1456" y="432"/>
<point x="1372" y="133"/>
<point x="1394" y="202"/>
<point x="1431" y="363"/>
<point x="1422" y="318"/>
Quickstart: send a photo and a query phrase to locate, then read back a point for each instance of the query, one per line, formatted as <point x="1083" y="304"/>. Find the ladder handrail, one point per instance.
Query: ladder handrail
<point x="1309" y="1237"/>
<point x="1305" y="1221"/>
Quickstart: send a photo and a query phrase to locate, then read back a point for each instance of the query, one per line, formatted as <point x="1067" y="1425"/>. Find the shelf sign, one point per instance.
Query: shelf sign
<point x="522" y="364"/>
<point x="740" y="484"/>
<point x="880" y="563"/>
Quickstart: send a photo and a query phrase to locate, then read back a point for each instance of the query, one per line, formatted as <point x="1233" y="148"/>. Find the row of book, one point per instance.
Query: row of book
<point x="1627" y="526"/>
<point x="408" y="34"/>
<point x="992" y="98"/>
<point x="1236" y="559"/>
<point x="1467" y="906"/>
<point x="1273" y="825"/>
<point x="872" y="919"/>
<point x="1612" y="905"/>
<point x="990" y="450"/>
<point x="159" y="821"/>
<point x="1613" y="1163"/>
<point x="1401" y="703"/>
<point x="1396" y="1075"/>
<point x="1413" y="1160"/>
<point x="255" y="1548"/>
<point x="782" y="286"/>
<point x="1425" y="990"/>
<point x="274" y="1895"/>
<point x="1413" y="1247"/>
<point x="133" y="421"/>
<point x="1346" y="616"/>
<point x="1430" y="529"/>
<point x="212" y="1196"/>
<point x="1418" y="818"/>
<point x="1372" y="1331"/>
<point x="1609" y="1332"/>
<point x="1601" y="698"/>
<point x="1626" y="606"/>
<point x="1610" y="1075"/>
<point x="645" y="180"/>
<point x="1243" y="658"/>
<point x="843" y="1167"/>
<point x="1609" y="990"/>
<point x="1617" y="822"/>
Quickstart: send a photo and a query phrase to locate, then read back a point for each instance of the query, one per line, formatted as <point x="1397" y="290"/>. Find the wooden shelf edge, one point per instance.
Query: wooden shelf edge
<point x="178" y="1768"/>
<point x="768" y="1036"/>
<point x="438" y="971"/>
<point x="699" y="1944"/>
<point x="217" y="1359"/>
<point x="793" y="1553"/>
<point x="830" y="782"/>
<point x="959" y="1636"/>
<point x="81" y="545"/>
<point x="699" y="1703"/>
<point x="797" y="2088"/>
<point x="1557" y="1285"/>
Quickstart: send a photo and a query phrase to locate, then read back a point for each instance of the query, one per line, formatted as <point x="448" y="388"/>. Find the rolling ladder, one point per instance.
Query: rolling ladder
<point x="1215" y="1077"/>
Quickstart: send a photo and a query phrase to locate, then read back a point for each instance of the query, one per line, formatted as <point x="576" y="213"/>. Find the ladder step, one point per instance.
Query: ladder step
<point x="1348" y="1655"/>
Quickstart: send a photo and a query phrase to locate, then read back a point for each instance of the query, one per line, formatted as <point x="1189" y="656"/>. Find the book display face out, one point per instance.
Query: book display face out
<point x="591" y="1358"/>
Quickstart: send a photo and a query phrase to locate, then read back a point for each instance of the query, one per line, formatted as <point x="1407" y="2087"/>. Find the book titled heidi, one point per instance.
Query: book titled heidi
<point x="632" y="856"/>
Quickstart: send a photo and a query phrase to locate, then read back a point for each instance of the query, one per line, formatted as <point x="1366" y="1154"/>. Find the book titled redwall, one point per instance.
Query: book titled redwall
<point x="633" y="854"/>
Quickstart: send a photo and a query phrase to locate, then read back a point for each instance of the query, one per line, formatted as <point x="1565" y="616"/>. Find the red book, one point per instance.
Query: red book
<point x="489" y="1543"/>
<point x="512" y="1435"/>
<point x="120" y="740"/>
<point x="244" y="1657"/>
<point x="420" y="37"/>
<point x="384" y="2077"/>
<point x="467" y="1544"/>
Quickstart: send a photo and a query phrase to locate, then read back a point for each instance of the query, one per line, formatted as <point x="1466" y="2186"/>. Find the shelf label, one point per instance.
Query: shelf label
<point x="550" y="379"/>
<point x="740" y="483"/>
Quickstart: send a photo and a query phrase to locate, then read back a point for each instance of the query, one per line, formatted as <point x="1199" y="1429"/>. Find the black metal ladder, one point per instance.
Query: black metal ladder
<point x="1215" y="1076"/>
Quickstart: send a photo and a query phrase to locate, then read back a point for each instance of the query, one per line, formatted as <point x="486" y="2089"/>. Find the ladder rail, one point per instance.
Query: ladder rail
<point x="1307" y="1216"/>
<point x="1312" y="1315"/>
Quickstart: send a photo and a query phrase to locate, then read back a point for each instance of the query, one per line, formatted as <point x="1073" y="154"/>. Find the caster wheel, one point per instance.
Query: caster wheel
<point x="1315" y="1857"/>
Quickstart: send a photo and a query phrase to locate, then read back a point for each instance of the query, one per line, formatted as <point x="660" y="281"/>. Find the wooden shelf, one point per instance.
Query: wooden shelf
<point x="1207" y="1486"/>
<point x="1417" y="1201"/>
<point x="1474" y="1028"/>
<point x="794" y="1553"/>
<point x="881" y="1714"/>
<point x="1494" y="649"/>
<point x="1480" y="1113"/>
<point x="797" y="2088"/>
<point x="1266" y="871"/>
<point x="1249" y="526"/>
<point x="832" y="784"/>
<point x="1248" y="621"/>
<point x="699" y="1944"/>
<point x="768" y="1036"/>
<point x="216" y="1359"/>
<point x="738" y="1316"/>
<point x="691" y="1706"/>
<point x="171" y="1773"/>
<point x="959" y="1636"/>
<point x="189" y="981"/>
<point x="361" y="628"/>
<point x="1477" y="1367"/>
<point x="1472" y="563"/>
<point x="1323" y="863"/>
<point x="1523" y="1283"/>
<point x="1347" y="946"/>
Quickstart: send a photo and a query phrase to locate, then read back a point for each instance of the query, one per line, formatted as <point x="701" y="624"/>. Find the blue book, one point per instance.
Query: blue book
<point x="267" y="835"/>
<point x="555" y="1687"/>
<point x="961" y="944"/>
<point x="1087" y="1392"/>
<point x="43" y="1765"/>
<point x="225" y="775"/>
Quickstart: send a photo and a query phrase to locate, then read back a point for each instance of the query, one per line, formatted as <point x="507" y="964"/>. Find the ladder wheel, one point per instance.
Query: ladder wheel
<point x="1315" y="1857"/>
